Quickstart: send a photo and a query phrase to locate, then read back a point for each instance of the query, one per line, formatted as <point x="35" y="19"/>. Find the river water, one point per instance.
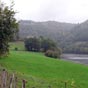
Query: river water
<point x="78" y="58"/>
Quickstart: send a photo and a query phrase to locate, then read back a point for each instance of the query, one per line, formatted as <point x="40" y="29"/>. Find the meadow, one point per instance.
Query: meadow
<point x="44" y="72"/>
<point x="17" y="44"/>
<point x="41" y="71"/>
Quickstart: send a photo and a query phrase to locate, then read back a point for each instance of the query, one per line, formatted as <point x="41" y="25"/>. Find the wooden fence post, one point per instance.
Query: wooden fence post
<point x="4" y="78"/>
<point x="23" y="84"/>
<point x="10" y="84"/>
<point x="15" y="82"/>
<point x="9" y="81"/>
<point x="0" y="80"/>
<point x="13" y="79"/>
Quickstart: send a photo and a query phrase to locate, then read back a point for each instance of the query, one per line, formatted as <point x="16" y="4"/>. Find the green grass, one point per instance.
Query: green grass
<point x="17" y="44"/>
<point x="41" y="71"/>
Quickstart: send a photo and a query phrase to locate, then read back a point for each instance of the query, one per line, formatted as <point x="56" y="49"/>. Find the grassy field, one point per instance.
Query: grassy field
<point x="41" y="71"/>
<point x="18" y="44"/>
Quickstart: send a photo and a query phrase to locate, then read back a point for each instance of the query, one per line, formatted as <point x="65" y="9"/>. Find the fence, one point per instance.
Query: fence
<point x="9" y="80"/>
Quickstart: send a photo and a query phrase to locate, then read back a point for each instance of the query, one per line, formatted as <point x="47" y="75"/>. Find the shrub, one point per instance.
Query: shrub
<point x="16" y="49"/>
<point x="51" y="53"/>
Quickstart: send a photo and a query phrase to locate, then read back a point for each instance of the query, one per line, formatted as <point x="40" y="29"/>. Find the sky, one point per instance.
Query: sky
<point x="71" y="11"/>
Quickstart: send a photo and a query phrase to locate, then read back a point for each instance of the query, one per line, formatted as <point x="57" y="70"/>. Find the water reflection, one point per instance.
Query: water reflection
<point x="76" y="58"/>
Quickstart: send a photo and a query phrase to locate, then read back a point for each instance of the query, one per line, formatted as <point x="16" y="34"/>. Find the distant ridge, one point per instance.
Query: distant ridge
<point x="67" y="35"/>
<point x="46" y="28"/>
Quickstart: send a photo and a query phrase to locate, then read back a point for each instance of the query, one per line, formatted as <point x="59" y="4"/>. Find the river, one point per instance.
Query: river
<point x="78" y="58"/>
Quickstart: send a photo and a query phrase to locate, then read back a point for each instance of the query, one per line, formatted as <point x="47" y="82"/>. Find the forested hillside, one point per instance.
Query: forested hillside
<point x="79" y="39"/>
<point x="51" y="29"/>
<point x="80" y="32"/>
<point x="70" y="37"/>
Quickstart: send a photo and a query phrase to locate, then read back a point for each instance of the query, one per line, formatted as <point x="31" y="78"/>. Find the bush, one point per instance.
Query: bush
<point x="16" y="49"/>
<point x="51" y="53"/>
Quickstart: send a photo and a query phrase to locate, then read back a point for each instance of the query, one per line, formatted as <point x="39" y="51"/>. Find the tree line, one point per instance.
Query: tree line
<point x="42" y="44"/>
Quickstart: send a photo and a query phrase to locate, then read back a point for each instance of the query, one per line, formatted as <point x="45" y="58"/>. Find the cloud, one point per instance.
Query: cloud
<point x="59" y="10"/>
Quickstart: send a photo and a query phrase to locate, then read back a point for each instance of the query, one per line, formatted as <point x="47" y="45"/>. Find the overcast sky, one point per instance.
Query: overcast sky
<point x="72" y="11"/>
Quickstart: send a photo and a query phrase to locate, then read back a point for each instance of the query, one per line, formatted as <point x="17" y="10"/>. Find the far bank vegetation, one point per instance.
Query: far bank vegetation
<point x="41" y="44"/>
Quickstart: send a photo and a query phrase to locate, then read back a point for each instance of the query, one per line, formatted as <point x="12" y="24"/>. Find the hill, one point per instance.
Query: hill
<point x="68" y="36"/>
<point x="51" y="29"/>
<point x="80" y="32"/>
<point x="79" y="39"/>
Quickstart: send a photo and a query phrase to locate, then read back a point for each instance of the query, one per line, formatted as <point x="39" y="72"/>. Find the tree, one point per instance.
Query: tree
<point x="8" y="26"/>
<point x="43" y="45"/>
<point x="32" y="44"/>
<point x="47" y="44"/>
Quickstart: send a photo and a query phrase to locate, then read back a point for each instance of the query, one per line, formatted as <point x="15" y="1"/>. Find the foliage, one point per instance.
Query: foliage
<point x="49" y="29"/>
<point x="51" y="53"/>
<point x="32" y="44"/>
<point x="39" y="44"/>
<point x="16" y="49"/>
<point x="78" y="48"/>
<point x="8" y="25"/>
<point x="47" y="44"/>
